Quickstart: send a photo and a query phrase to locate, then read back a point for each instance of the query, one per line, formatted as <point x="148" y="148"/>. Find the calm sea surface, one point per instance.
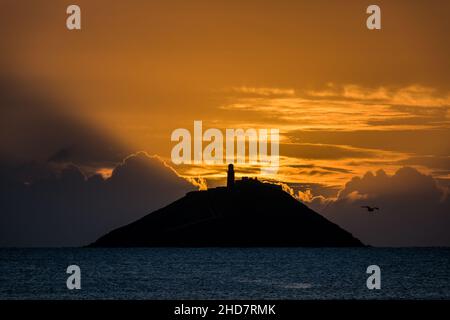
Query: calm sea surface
<point x="217" y="273"/>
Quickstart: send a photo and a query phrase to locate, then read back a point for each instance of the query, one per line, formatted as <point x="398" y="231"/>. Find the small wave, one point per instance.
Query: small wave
<point x="250" y="280"/>
<point x="293" y="285"/>
<point x="297" y="286"/>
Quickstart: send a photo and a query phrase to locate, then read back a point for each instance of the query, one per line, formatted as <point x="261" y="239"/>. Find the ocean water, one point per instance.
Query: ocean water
<point x="225" y="273"/>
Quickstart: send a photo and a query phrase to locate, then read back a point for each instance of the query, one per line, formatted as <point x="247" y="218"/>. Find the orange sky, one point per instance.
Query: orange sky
<point x="346" y="99"/>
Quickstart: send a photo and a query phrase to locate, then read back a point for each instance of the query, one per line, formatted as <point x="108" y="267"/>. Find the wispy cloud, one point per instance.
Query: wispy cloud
<point x="331" y="134"/>
<point x="263" y="91"/>
<point x="348" y="107"/>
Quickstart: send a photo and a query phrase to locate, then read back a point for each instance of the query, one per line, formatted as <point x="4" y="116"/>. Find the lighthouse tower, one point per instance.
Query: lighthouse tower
<point x="230" y="176"/>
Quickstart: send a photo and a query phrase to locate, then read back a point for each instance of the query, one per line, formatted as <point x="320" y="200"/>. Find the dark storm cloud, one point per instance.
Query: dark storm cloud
<point x="34" y="127"/>
<point x="414" y="209"/>
<point x="69" y="209"/>
<point x="50" y="194"/>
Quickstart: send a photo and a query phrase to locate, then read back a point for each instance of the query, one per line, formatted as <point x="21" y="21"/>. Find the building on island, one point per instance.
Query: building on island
<point x="230" y="176"/>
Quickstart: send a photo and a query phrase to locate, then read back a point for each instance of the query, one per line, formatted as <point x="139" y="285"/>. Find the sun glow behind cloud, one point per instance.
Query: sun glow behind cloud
<point x="348" y="102"/>
<point x="348" y="108"/>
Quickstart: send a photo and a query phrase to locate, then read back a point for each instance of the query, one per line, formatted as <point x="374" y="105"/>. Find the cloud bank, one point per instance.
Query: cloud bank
<point x="414" y="209"/>
<point x="68" y="209"/>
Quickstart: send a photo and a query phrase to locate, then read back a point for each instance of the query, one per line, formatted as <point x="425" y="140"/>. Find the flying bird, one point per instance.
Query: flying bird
<point x="370" y="209"/>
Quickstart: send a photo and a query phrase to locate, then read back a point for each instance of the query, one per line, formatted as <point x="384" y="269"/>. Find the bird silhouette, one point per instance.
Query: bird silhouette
<point x="370" y="209"/>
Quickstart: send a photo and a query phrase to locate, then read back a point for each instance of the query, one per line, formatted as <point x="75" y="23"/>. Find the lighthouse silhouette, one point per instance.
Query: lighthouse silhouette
<point x="230" y="176"/>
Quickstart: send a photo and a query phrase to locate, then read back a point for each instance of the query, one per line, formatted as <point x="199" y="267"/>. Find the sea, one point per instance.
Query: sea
<point x="225" y="273"/>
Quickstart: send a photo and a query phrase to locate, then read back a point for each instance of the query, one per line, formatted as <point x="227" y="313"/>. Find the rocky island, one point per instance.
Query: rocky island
<point x="245" y="213"/>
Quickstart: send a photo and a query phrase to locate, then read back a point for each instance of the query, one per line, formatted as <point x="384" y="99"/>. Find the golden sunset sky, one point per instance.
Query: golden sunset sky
<point x="347" y="100"/>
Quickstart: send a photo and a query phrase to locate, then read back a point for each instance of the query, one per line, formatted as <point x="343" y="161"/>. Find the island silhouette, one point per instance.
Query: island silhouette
<point x="245" y="213"/>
